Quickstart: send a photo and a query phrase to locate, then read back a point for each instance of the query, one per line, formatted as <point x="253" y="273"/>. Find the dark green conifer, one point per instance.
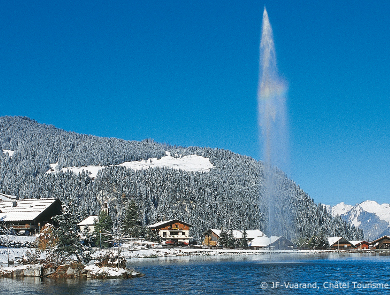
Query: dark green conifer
<point x="68" y="239"/>
<point x="103" y="230"/>
<point x="131" y="224"/>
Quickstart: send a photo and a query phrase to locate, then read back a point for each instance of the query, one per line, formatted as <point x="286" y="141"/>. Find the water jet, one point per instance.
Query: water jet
<point x="272" y="119"/>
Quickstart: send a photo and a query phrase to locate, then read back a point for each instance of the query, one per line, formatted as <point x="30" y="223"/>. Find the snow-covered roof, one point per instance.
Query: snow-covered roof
<point x="9" y="152"/>
<point x="239" y="234"/>
<point x="355" y="243"/>
<point x="333" y="240"/>
<point x="236" y="233"/>
<point x="377" y="240"/>
<point x="167" y="222"/>
<point x="90" y="220"/>
<point x="4" y="197"/>
<point x="263" y="241"/>
<point x="254" y="233"/>
<point x="23" y="210"/>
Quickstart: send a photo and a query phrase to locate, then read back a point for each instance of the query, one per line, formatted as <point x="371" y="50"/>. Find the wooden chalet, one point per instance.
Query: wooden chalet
<point x="361" y="245"/>
<point x="382" y="243"/>
<point x="339" y="243"/>
<point x="174" y="232"/>
<point x="28" y="215"/>
<point x="211" y="237"/>
<point x="282" y="244"/>
<point x="274" y="243"/>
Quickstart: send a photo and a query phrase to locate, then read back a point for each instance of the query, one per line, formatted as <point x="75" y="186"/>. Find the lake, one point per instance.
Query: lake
<point x="326" y="273"/>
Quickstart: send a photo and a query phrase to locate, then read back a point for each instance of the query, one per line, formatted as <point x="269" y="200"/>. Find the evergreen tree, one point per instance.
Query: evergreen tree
<point x="223" y="238"/>
<point x="103" y="230"/>
<point x="131" y="224"/>
<point x="231" y="242"/>
<point x="151" y="235"/>
<point x="68" y="240"/>
<point x="244" y="240"/>
<point x="230" y="195"/>
<point x="318" y="242"/>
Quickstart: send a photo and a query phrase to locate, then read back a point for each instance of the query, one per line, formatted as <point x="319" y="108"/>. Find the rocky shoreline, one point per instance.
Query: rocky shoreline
<point x="72" y="270"/>
<point x="107" y="265"/>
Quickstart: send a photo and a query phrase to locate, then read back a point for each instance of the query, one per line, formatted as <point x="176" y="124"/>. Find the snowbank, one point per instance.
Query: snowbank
<point x="192" y="163"/>
<point x="67" y="271"/>
<point x="94" y="271"/>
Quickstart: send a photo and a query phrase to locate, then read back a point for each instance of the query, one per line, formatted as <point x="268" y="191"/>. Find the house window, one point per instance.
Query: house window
<point x="164" y="234"/>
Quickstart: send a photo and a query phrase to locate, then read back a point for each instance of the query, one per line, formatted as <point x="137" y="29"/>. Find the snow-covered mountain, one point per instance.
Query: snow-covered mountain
<point x="371" y="217"/>
<point x="206" y="187"/>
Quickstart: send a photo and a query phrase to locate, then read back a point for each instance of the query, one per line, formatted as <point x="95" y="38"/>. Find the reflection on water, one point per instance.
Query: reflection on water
<point x="252" y="274"/>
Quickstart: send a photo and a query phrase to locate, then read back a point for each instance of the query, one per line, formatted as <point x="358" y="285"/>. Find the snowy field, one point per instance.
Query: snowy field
<point x="135" y="254"/>
<point x="140" y="250"/>
<point x="191" y="163"/>
<point x="12" y="252"/>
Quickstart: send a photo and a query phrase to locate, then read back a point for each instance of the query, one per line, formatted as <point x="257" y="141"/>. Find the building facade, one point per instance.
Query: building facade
<point x="88" y="224"/>
<point x="28" y="216"/>
<point x="381" y="243"/>
<point x="173" y="231"/>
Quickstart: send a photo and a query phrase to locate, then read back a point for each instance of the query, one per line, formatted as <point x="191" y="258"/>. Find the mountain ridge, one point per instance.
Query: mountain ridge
<point x="368" y="215"/>
<point x="230" y="195"/>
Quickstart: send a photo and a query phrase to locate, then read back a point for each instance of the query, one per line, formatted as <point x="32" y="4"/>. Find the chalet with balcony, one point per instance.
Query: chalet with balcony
<point x="173" y="231"/>
<point x="28" y="215"/>
<point x="382" y="243"/>
<point x="339" y="243"/>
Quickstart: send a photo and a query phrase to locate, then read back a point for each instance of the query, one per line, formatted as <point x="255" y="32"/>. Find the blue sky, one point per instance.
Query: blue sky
<point x="185" y="73"/>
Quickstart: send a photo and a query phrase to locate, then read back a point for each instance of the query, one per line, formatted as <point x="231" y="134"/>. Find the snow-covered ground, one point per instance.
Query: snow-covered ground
<point x="14" y="253"/>
<point x="136" y="250"/>
<point x="9" y="152"/>
<point x="191" y="163"/>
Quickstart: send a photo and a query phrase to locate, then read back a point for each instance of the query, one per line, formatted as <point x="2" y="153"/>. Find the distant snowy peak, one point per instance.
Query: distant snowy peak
<point x="191" y="163"/>
<point x="370" y="216"/>
<point x="382" y="211"/>
<point x="340" y="209"/>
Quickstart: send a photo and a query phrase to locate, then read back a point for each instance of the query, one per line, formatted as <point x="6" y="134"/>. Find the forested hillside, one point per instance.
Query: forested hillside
<point x="229" y="195"/>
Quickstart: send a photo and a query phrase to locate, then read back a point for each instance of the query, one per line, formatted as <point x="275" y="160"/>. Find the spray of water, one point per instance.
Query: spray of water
<point x="273" y="122"/>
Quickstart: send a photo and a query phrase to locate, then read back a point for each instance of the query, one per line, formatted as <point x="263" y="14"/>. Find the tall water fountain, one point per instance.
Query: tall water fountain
<point x="272" y="117"/>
